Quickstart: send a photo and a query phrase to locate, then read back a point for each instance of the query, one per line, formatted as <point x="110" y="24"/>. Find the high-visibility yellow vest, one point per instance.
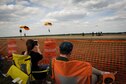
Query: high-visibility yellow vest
<point x="71" y="72"/>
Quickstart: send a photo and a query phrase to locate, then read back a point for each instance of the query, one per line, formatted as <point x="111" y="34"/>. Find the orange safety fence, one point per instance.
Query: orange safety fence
<point x="49" y="50"/>
<point x="12" y="46"/>
<point x="3" y="46"/>
<point x="104" y="54"/>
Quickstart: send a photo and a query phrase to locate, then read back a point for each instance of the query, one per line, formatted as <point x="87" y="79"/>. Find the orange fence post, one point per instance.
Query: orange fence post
<point x="12" y="47"/>
<point x="50" y="50"/>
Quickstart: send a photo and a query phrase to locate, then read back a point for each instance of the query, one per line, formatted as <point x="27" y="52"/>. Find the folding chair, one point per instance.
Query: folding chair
<point x="21" y="68"/>
<point x="13" y="76"/>
<point x="71" y="72"/>
<point x="18" y="75"/>
<point x="22" y="63"/>
<point x="107" y="78"/>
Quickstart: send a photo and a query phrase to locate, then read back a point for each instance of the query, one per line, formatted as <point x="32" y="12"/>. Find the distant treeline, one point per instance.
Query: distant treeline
<point x="72" y="34"/>
<point x="93" y="34"/>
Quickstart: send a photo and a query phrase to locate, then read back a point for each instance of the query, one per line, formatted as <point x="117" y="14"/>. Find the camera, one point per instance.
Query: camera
<point x="35" y="42"/>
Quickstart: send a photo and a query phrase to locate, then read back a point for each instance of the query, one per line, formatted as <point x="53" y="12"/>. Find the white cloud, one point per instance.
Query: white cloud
<point x="94" y="4"/>
<point x="5" y="1"/>
<point x="119" y="5"/>
<point x="66" y="15"/>
<point x="6" y="7"/>
<point x="16" y="12"/>
<point x="28" y="10"/>
<point x="119" y="9"/>
<point x="120" y="17"/>
<point x="22" y="2"/>
<point x="51" y="3"/>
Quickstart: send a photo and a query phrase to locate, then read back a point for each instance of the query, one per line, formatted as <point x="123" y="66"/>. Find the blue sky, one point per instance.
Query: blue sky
<point x="67" y="16"/>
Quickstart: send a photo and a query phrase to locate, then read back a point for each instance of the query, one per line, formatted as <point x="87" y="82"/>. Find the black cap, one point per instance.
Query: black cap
<point x="66" y="47"/>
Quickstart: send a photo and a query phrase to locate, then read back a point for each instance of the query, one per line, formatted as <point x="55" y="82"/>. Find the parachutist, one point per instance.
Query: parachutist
<point x="49" y="30"/>
<point x="20" y="31"/>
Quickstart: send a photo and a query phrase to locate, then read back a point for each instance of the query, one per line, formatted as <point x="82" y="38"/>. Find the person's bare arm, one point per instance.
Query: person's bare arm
<point x="98" y="72"/>
<point x="26" y="53"/>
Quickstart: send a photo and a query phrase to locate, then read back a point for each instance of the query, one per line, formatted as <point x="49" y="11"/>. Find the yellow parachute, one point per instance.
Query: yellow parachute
<point x="48" y="25"/>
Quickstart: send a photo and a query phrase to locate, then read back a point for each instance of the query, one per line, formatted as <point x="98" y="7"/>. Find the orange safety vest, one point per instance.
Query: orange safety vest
<point x="71" y="72"/>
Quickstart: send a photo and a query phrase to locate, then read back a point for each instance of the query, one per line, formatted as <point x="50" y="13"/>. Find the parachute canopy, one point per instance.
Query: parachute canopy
<point x="25" y="27"/>
<point x="48" y="24"/>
